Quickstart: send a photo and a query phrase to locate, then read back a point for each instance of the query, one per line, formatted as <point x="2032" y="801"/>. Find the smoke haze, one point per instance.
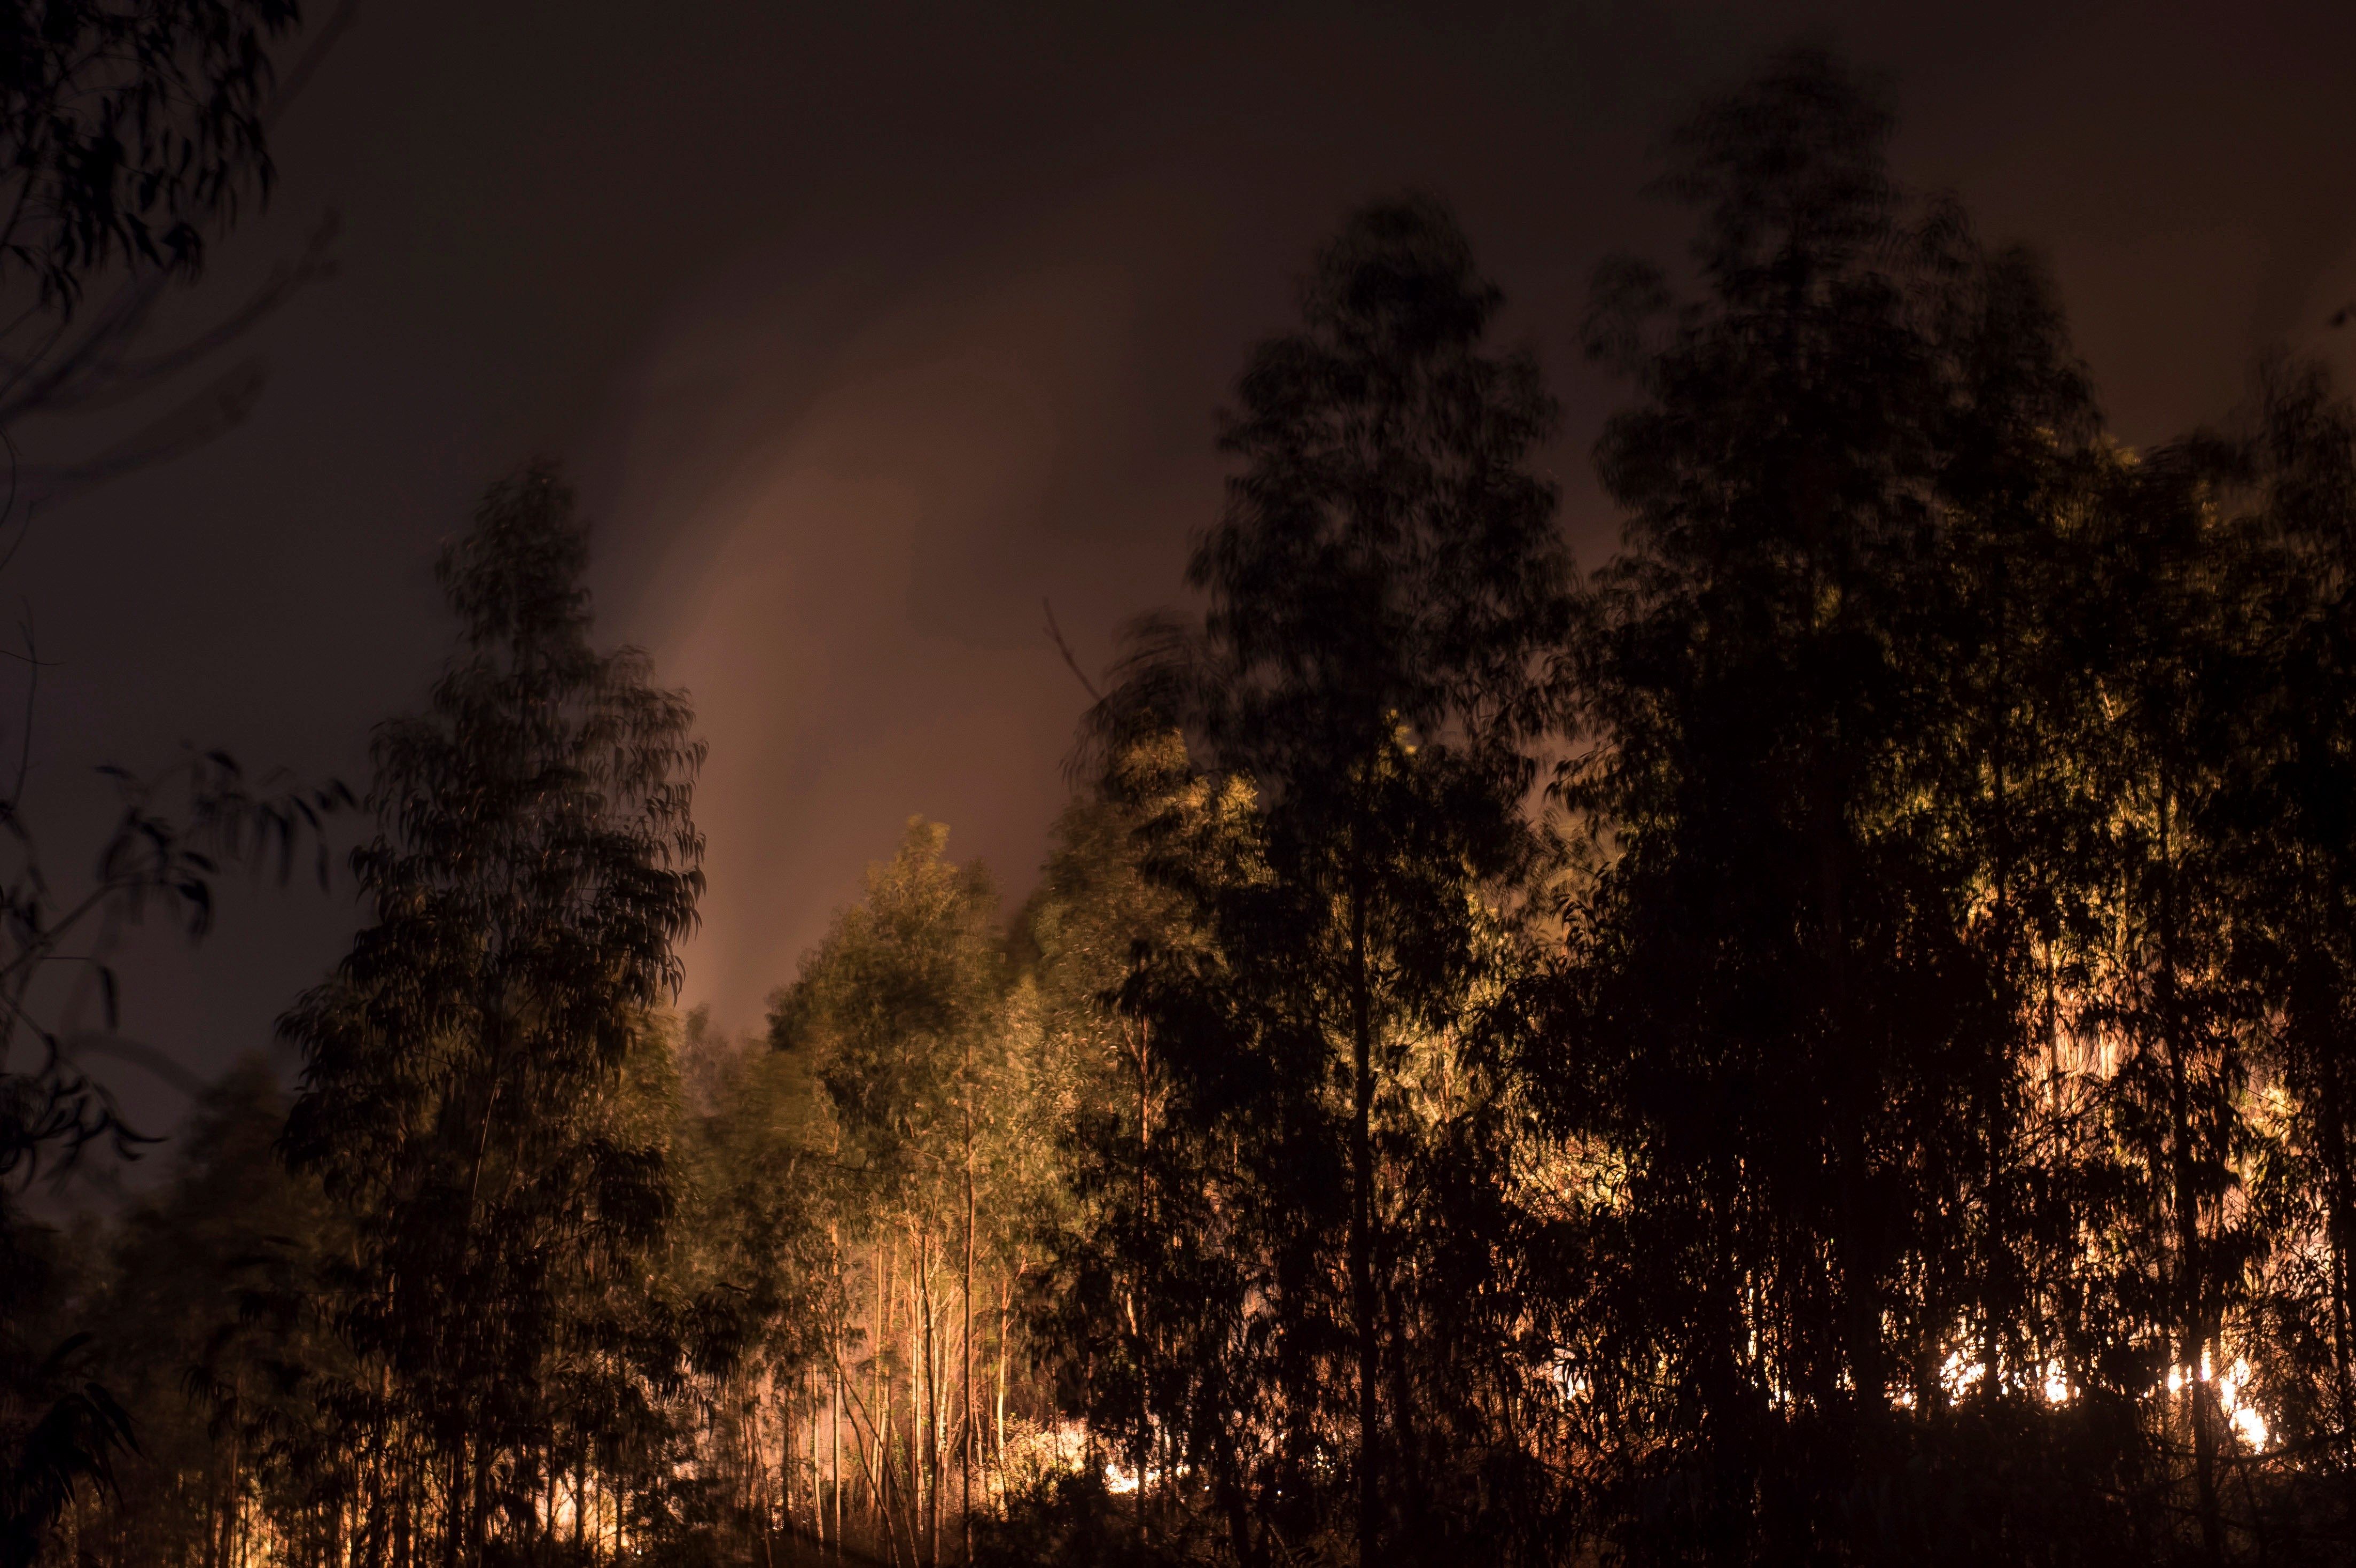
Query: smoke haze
<point x="864" y="334"/>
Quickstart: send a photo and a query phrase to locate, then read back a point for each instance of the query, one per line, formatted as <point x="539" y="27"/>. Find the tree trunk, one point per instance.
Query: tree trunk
<point x="835" y="1463"/>
<point x="1144" y="1231"/>
<point x="965" y="1383"/>
<point x="478" y="1518"/>
<point x="879" y="1422"/>
<point x="1361" y="1226"/>
<point x="1005" y="1306"/>
<point x="932" y="1414"/>
<point x="2332" y="1133"/>
<point x="2192" y="1292"/>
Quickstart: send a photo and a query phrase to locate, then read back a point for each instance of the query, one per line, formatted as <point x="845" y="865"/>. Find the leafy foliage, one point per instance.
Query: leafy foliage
<point x="536" y="863"/>
<point x="128" y="130"/>
<point x="1383" y="597"/>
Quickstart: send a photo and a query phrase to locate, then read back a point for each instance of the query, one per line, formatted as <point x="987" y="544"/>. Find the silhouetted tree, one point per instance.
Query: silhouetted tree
<point x="535" y="865"/>
<point x="1382" y="596"/>
<point x="1832" y="703"/>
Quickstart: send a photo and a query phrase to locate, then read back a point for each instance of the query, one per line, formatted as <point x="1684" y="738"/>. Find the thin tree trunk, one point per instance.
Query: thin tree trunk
<point x="835" y="1465"/>
<point x="916" y="1422"/>
<point x="1361" y="1226"/>
<point x="1005" y="1302"/>
<point x="478" y="1522"/>
<point x="404" y="1542"/>
<point x="452" y="1525"/>
<point x="2192" y="1292"/>
<point x="2332" y="1126"/>
<point x="880" y="1423"/>
<point x="965" y="1382"/>
<point x="1144" y="1231"/>
<point x="932" y="1428"/>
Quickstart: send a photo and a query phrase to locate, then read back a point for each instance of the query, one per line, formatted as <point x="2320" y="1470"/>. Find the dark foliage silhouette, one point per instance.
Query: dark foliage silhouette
<point x="462" y="1094"/>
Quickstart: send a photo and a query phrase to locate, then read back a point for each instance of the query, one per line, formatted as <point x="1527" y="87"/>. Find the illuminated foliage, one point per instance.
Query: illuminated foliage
<point x="1362" y="694"/>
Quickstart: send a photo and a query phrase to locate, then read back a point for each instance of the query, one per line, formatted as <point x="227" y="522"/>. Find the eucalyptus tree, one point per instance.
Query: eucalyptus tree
<point x="2285" y="817"/>
<point x="1831" y="703"/>
<point x="2182" y="668"/>
<point x="901" y="1014"/>
<point x="198" y="1309"/>
<point x="1381" y="596"/>
<point x="2308" y="469"/>
<point x="1138" y="1304"/>
<point x="534" y="868"/>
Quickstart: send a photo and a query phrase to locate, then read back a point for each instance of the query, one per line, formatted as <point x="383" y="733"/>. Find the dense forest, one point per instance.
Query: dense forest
<point x="1826" y="1038"/>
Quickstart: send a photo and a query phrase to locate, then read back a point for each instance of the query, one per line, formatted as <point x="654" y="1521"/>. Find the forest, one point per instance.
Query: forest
<point x="1828" y="1037"/>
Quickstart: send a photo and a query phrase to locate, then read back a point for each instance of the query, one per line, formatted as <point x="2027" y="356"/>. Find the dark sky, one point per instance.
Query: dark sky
<point x="865" y="327"/>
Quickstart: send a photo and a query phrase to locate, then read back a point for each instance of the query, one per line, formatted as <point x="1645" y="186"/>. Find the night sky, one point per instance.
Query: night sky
<point x="864" y="328"/>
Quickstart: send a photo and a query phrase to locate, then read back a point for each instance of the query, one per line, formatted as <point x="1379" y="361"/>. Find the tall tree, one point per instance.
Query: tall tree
<point x="536" y="865"/>
<point x="2282" y="817"/>
<point x="198" y="1312"/>
<point x="1139" y="1304"/>
<point x="1827" y="695"/>
<point x="1382" y="594"/>
<point x="901" y="1012"/>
